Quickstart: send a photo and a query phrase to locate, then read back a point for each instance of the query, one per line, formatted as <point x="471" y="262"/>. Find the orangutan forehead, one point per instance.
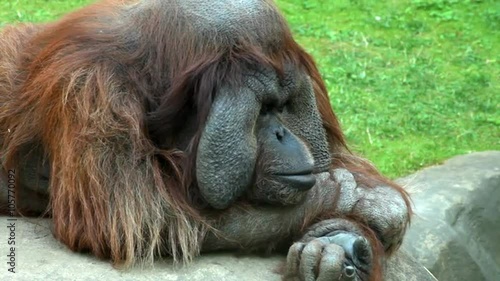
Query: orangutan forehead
<point x="232" y="13"/>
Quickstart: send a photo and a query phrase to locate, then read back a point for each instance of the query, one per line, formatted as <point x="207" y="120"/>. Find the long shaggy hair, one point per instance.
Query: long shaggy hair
<point x="105" y="91"/>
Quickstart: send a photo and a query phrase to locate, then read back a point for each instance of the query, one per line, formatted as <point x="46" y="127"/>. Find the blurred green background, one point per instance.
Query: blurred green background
<point x="414" y="82"/>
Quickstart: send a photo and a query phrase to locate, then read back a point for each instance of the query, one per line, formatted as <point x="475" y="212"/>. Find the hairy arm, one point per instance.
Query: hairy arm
<point x="382" y="208"/>
<point x="341" y="224"/>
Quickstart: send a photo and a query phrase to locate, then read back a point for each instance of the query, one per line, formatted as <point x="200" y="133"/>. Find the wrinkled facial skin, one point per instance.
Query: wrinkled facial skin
<point x="264" y="141"/>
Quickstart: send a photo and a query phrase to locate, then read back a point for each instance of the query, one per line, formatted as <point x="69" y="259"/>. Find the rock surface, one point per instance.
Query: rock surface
<point x="40" y="257"/>
<point x="456" y="234"/>
<point x="456" y="230"/>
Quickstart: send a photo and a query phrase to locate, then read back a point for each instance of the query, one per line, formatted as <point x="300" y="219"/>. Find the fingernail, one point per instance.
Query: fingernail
<point x="349" y="271"/>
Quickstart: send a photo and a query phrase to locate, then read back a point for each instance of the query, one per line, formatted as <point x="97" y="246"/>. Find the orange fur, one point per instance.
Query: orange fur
<point x="73" y="87"/>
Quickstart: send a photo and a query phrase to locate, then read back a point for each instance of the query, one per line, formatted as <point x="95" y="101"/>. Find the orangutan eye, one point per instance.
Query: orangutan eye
<point x="267" y="108"/>
<point x="284" y="107"/>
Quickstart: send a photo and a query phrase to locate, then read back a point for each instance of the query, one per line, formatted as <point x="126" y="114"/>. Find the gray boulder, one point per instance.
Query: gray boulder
<point x="38" y="256"/>
<point x="456" y="230"/>
<point x="455" y="233"/>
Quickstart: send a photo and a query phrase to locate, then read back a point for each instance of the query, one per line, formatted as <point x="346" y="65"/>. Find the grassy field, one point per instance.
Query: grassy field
<point x="414" y="82"/>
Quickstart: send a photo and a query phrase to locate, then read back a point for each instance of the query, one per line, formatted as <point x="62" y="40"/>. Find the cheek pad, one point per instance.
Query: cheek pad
<point x="228" y="147"/>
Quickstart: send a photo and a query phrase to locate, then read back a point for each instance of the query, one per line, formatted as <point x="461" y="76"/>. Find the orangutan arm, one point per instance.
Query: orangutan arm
<point x="352" y="238"/>
<point x="384" y="209"/>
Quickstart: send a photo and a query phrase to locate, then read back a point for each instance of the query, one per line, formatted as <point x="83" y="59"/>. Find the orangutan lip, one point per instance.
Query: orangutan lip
<point x="301" y="182"/>
<point x="300" y="173"/>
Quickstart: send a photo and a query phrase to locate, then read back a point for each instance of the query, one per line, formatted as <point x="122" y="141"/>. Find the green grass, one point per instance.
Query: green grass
<point x="414" y="82"/>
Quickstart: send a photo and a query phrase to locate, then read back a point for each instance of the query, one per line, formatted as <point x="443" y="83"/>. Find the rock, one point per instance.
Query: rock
<point x="455" y="234"/>
<point x="40" y="257"/>
<point x="402" y="266"/>
<point x="456" y="230"/>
